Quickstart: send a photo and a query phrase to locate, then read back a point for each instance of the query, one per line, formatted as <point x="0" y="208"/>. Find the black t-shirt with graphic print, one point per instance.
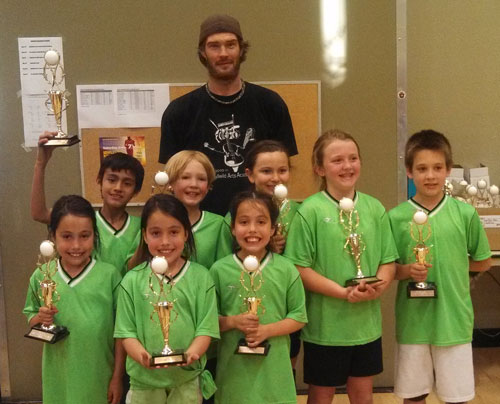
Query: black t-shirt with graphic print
<point x="225" y="132"/>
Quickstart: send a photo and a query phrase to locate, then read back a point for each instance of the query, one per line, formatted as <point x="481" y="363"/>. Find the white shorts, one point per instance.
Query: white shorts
<point x="417" y="366"/>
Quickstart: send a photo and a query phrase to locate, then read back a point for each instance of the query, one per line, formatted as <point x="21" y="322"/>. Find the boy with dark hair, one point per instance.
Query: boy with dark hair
<point x="434" y="334"/>
<point x="120" y="178"/>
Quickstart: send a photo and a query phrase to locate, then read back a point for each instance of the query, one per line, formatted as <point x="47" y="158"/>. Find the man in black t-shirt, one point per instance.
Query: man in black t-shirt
<point x="227" y="115"/>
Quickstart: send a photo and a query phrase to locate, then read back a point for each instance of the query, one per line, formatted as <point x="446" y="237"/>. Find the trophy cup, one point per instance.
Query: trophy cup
<point x="47" y="333"/>
<point x="164" y="309"/>
<point x="251" y="281"/>
<point x="420" y="223"/>
<point x="280" y="198"/>
<point x="53" y="73"/>
<point x="161" y="182"/>
<point x="354" y="245"/>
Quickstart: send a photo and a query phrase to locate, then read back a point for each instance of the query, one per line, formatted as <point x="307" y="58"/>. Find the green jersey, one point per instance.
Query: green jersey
<point x="210" y="238"/>
<point x="316" y="240"/>
<point x="194" y="314"/>
<point x="456" y="233"/>
<point x="117" y="246"/>
<point x="246" y="379"/>
<point x="78" y="369"/>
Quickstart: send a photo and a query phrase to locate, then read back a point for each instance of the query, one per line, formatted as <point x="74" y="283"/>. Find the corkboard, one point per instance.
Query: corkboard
<point x="302" y="99"/>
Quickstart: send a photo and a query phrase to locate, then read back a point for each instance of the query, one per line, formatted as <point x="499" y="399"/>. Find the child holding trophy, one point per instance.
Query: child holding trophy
<point x="192" y="313"/>
<point x="434" y="334"/>
<point x="261" y="301"/>
<point x="82" y="368"/>
<point x="191" y="175"/>
<point x="342" y="341"/>
<point x="120" y="178"/>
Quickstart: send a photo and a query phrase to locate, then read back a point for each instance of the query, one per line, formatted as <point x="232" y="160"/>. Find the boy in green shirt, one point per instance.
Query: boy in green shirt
<point x="120" y="178"/>
<point x="434" y="334"/>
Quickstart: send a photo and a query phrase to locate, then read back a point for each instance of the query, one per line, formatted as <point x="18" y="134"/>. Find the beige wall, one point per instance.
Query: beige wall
<point x="155" y="41"/>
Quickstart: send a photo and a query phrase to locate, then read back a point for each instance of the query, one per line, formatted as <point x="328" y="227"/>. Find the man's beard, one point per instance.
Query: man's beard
<point x="228" y="75"/>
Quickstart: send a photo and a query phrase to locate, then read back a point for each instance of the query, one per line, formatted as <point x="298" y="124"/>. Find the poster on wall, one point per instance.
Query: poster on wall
<point x="134" y="146"/>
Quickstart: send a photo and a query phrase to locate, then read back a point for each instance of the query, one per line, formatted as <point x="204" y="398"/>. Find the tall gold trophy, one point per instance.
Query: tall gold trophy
<point x="422" y="228"/>
<point x="53" y="73"/>
<point x="164" y="309"/>
<point x="283" y="204"/>
<point x="251" y="281"/>
<point x="354" y="245"/>
<point x="50" y="333"/>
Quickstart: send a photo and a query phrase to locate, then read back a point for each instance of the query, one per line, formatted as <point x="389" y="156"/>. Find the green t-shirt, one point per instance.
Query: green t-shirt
<point x="210" y="238"/>
<point x="246" y="379"/>
<point x="78" y="368"/>
<point x="456" y="231"/>
<point x="196" y="309"/>
<point x="316" y="240"/>
<point x="117" y="246"/>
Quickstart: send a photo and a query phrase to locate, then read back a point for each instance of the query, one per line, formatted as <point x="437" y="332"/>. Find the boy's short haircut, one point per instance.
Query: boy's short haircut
<point x="427" y="140"/>
<point x="122" y="161"/>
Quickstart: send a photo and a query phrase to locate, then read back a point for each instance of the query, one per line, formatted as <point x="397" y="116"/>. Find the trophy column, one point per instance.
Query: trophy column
<point x="49" y="333"/>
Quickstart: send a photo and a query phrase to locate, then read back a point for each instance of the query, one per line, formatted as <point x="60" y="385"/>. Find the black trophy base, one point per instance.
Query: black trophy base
<point x="50" y="336"/>
<point x="174" y="358"/>
<point x="62" y="141"/>
<point x="244" y="349"/>
<point x="357" y="281"/>
<point x="417" y="290"/>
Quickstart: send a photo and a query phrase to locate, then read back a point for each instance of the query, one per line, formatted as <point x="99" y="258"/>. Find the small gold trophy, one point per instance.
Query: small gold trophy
<point x="53" y="73"/>
<point x="47" y="333"/>
<point x="281" y="200"/>
<point x="161" y="183"/>
<point x="354" y="245"/>
<point x="421" y="225"/>
<point x="251" y="281"/>
<point x="164" y="309"/>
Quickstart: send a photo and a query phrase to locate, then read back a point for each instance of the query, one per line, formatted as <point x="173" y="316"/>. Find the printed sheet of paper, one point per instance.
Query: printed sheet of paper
<point x="36" y="117"/>
<point x="121" y="105"/>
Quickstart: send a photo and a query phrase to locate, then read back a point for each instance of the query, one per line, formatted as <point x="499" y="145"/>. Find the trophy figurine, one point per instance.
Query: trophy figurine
<point x="53" y="73"/>
<point x="164" y="309"/>
<point x="161" y="183"/>
<point x="50" y="333"/>
<point x="421" y="251"/>
<point x="251" y="281"/>
<point x="494" y="191"/>
<point x="354" y="245"/>
<point x="280" y="198"/>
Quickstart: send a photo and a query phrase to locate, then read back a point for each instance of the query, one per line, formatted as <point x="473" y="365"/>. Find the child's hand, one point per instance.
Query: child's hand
<point x="145" y="359"/>
<point x="277" y="243"/>
<point x="418" y="272"/>
<point x="191" y="357"/>
<point x="46" y="315"/>
<point x="364" y="292"/>
<point x="115" y="390"/>
<point x="257" y="335"/>
<point x="45" y="152"/>
<point x="246" y="322"/>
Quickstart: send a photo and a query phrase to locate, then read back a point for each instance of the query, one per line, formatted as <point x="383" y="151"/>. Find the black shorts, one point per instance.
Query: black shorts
<point x="294" y="344"/>
<point x="330" y="366"/>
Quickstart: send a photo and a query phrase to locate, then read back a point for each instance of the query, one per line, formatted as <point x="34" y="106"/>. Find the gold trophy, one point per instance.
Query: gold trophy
<point x="423" y="229"/>
<point x="354" y="245"/>
<point x="161" y="183"/>
<point x="283" y="204"/>
<point x="251" y="281"/>
<point x="164" y="309"/>
<point x="47" y="333"/>
<point x="53" y="73"/>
